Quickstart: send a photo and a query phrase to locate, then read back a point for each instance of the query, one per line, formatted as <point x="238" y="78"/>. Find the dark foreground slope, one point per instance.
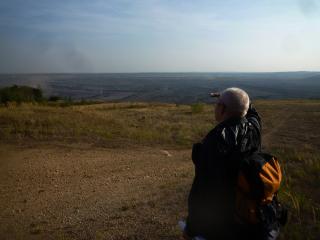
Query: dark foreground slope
<point x="123" y="171"/>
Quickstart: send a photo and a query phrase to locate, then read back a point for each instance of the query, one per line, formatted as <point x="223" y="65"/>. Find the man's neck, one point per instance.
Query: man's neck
<point x="230" y="118"/>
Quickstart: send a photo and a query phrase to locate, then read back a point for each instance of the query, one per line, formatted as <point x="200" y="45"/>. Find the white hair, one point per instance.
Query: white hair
<point x="236" y="100"/>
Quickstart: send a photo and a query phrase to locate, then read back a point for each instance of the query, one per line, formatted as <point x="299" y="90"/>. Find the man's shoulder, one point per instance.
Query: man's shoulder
<point x="215" y="140"/>
<point x="215" y="133"/>
<point x="227" y="133"/>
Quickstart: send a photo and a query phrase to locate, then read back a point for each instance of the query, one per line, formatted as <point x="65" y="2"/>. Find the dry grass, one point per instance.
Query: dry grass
<point x="106" y="124"/>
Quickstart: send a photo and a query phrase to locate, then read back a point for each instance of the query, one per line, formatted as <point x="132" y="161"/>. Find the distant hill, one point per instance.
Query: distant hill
<point x="169" y="87"/>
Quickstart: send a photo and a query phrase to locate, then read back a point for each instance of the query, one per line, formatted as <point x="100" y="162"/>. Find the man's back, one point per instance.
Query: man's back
<point x="212" y="196"/>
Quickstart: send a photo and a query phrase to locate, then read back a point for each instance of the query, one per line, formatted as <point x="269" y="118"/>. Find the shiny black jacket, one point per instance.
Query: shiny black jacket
<point x="216" y="159"/>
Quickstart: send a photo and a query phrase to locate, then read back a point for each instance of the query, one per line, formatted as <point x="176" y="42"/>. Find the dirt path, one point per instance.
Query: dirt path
<point x="279" y="122"/>
<point x="78" y="193"/>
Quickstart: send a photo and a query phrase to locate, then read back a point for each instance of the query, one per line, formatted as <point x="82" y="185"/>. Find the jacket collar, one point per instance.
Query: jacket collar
<point x="232" y="121"/>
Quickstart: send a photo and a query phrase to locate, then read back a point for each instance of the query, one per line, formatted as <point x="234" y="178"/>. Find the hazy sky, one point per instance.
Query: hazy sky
<point x="159" y="35"/>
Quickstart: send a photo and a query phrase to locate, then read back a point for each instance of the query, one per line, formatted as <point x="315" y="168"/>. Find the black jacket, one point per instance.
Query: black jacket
<point x="212" y="196"/>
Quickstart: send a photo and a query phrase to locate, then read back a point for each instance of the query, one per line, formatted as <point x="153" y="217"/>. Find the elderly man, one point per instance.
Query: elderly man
<point x="212" y="196"/>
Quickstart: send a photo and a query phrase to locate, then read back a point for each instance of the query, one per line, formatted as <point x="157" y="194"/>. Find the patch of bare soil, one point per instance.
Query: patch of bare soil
<point x="54" y="192"/>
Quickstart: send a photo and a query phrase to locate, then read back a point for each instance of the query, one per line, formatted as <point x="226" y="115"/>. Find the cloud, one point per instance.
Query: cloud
<point x="308" y="8"/>
<point x="144" y="35"/>
<point x="108" y="18"/>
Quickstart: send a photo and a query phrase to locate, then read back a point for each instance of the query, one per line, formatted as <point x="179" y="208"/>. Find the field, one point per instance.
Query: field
<point x="123" y="170"/>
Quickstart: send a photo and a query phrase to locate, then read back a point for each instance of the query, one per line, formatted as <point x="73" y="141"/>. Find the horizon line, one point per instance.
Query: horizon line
<point x="157" y="72"/>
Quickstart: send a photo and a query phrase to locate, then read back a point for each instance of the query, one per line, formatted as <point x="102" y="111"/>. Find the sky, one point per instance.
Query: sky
<point x="99" y="36"/>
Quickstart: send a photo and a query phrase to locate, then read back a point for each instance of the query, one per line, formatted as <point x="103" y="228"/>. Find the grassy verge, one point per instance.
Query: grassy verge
<point x="106" y="123"/>
<point x="300" y="192"/>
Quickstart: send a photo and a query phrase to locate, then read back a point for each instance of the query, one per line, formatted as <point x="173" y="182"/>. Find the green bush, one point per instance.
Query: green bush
<point x="20" y="94"/>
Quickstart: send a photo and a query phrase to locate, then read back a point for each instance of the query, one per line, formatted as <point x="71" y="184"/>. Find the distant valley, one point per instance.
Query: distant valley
<point x="169" y="87"/>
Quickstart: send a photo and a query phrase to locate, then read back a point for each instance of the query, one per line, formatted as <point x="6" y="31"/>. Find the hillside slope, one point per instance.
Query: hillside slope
<point x="123" y="171"/>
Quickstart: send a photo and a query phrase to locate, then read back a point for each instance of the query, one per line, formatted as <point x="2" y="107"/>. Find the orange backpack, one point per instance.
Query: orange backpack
<point x="257" y="185"/>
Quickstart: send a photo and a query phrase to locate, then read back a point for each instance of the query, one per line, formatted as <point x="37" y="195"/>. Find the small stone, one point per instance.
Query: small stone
<point x="165" y="152"/>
